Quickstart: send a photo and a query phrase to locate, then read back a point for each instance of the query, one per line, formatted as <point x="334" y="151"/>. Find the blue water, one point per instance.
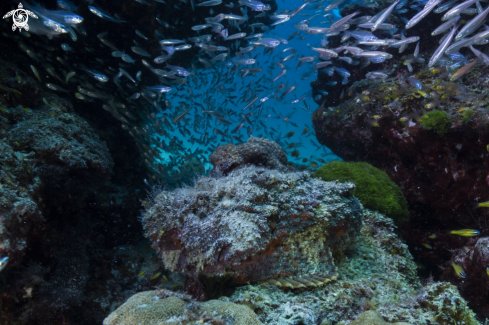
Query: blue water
<point x="307" y="144"/>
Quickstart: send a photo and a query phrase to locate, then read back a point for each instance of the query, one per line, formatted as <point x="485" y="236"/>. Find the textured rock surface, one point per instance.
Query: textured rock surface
<point x="473" y="257"/>
<point x="47" y="159"/>
<point x="150" y="308"/>
<point x="440" y="174"/>
<point x="372" y="318"/>
<point x="64" y="223"/>
<point x="376" y="273"/>
<point x="254" y="224"/>
<point x="255" y="151"/>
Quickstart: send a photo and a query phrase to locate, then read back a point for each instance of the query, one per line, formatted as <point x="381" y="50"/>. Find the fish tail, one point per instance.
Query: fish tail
<point x="474" y="205"/>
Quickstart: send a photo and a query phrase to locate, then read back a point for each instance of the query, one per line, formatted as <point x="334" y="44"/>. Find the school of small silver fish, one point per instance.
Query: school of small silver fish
<point x="236" y="82"/>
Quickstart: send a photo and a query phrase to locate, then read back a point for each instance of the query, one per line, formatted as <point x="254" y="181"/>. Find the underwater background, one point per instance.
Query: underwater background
<point x="244" y="162"/>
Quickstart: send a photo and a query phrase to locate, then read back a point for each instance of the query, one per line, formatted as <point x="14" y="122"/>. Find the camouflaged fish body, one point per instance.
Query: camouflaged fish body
<point x="255" y="151"/>
<point x="255" y="225"/>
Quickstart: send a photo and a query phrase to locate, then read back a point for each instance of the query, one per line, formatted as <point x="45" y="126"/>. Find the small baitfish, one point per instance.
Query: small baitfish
<point x="103" y="14"/>
<point x="97" y="75"/>
<point x="3" y="263"/>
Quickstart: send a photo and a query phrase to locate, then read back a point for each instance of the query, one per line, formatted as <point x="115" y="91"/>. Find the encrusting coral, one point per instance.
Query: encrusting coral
<point x="377" y="285"/>
<point x="435" y="148"/>
<point x="377" y="273"/>
<point x="371" y="317"/>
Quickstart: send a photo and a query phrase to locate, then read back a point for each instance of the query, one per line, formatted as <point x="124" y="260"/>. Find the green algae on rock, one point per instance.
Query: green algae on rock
<point x="438" y="121"/>
<point x="378" y="274"/>
<point x="374" y="188"/>
<point x="165" y="307"/>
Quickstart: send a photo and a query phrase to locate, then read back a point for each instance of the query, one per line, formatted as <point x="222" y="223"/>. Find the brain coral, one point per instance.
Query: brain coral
<point x="151" y="308"/>
<point x="256" y="151"/>
<point x="254" y="224"/>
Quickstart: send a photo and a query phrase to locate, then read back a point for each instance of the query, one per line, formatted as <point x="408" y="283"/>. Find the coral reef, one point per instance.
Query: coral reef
<point x="373" y="187"/>
<point x="371" y="317"/>
<point x="64" y="205"/>
<point x="254" y="224"/>
<point x="256" y="151"/>
<point x="161" y="306"/>
<point x="473" y="258"/>
<point x="49" y="157"/>
<point x="20" y="214"/>
<point x="439" y="174"/>
<point x="377" y="273"/>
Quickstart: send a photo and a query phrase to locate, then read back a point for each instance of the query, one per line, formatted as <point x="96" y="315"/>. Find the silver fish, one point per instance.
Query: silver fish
<point x="251" y="102"/>
<point x="235" y="36"/>
<point x="333" y="5"/>
<point x="103" y="14"/>
<point x="3" y="263"/>
<point x="140" y="51"/>
<point x="56" y="87"/>
<point x="444" y="7"/>
<point x="244" y="61"/>
<point x="423" y="13"/>
<point x="326" y="52"/>
<point x="443" y="27"/>
<point x="97" y="75"/>
<point x="408" y="40"/>
<point x="138" y="33"/>
<point x="472" y="25"/>
<point x="384" y="16"/>
<point x="441" y="49"/>
<point x="344" y="20"/>
<point x="480" y="55"/>
<point x="458" y="9"/>
<point x="209" y="3"/>
<point x="171" y="41"/>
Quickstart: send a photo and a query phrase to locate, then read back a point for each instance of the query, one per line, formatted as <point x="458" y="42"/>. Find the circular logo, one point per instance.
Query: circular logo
<point x="20" y="17"/>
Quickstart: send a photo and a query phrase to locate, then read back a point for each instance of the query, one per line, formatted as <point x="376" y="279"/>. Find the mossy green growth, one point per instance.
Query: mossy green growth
<point x="467" y="115"/>
<point x="374" y="188"/>
<point x="437" y="121"/>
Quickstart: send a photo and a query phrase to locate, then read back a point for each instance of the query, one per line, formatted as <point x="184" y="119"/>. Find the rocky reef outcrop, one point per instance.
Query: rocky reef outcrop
<point x="167" y="307"/>
<point x="377" y="273"/>
<point x="473" y="258"/>
<point x="49" y="157"/>
<point x="255" y="151"/>
<point x="431" y="137"/>
<point x="376" y="284"/>
<point x="276" y="240"/>
<point x="255" y="224"/>
<point x="65" y="200"/>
